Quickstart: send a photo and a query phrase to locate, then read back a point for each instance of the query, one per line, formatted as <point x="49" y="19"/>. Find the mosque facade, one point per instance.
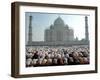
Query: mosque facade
<point x="59" y="31"/>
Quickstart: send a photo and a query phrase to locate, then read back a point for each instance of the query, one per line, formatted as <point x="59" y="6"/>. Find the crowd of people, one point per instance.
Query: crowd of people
<point x="58" y="55"/>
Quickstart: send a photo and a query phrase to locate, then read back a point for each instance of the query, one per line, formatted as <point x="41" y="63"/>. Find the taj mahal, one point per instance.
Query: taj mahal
<point x="58" y="33"/>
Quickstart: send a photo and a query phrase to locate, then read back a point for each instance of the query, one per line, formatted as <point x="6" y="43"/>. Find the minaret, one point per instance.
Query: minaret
<point x="86" y="29"/>
<point x="30" y="30"/>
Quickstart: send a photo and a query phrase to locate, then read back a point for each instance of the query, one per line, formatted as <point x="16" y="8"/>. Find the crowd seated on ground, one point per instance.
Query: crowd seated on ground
<point x="53" y="56"/>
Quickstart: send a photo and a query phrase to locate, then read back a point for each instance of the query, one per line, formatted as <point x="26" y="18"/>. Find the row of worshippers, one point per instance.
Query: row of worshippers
<point x="50" y="56"/>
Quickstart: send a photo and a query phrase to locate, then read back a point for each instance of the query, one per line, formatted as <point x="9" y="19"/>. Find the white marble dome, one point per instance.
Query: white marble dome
<point x="59" y="21"/>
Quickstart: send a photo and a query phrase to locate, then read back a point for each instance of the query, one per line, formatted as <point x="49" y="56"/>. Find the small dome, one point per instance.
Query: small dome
<point x="51" y="27"/>
<point x="66" y="26"/>
<point x="59" y="21"/>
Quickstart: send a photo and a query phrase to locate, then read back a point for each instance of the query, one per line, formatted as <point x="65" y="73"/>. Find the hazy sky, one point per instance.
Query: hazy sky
<point x="42" y="21"/>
